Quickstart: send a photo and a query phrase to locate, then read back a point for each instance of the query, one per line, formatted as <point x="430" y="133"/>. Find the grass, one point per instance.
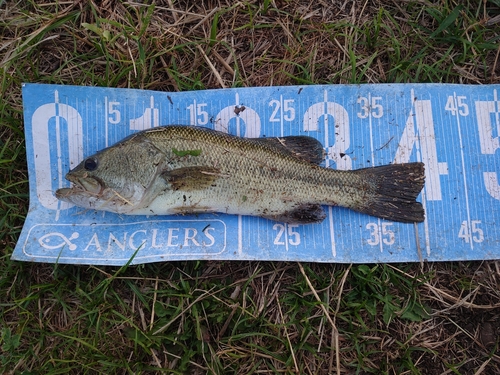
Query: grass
<point x="240" y="317"/>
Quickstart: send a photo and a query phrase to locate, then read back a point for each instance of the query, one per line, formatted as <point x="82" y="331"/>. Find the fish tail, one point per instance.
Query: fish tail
<point x="396" y="187"/>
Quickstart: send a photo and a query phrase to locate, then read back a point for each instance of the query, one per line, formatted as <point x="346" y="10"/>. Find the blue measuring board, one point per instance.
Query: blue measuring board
<point x="453" y="129"/>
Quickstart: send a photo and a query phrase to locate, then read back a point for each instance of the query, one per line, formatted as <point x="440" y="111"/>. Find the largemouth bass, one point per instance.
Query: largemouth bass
<point x="187" y="169"/>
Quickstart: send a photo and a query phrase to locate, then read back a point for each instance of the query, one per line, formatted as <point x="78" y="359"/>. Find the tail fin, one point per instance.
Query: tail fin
<point x="396" y="189"/>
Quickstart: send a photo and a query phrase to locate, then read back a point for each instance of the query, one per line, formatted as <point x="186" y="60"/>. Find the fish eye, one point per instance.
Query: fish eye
<point x="90" y="164"/>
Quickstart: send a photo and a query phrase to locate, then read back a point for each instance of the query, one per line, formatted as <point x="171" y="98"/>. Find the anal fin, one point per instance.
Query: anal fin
<point x="302" y="214"/>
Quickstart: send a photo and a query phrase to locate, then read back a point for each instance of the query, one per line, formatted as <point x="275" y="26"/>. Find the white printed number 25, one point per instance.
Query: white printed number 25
<point x="289" y="235"/>
<point x="288" y="111"/>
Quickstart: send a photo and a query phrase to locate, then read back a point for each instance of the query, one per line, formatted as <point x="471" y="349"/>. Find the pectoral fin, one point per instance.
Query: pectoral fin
<point x="301" y="146"/>
<point x="192" y="178"/>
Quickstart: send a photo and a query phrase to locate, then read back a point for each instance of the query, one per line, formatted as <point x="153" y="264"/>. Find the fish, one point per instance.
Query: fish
<point x="177" y="169"/>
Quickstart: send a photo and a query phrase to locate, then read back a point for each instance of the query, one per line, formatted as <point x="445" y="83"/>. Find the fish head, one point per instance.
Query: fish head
<point x="117" y="179"/>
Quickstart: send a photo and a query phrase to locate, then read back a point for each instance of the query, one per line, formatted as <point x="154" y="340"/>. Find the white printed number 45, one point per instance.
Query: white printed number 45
<point x="471" y="232"/>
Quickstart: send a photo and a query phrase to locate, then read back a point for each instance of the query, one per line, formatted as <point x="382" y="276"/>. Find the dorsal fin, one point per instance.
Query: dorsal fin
<point x="301" y="146"/>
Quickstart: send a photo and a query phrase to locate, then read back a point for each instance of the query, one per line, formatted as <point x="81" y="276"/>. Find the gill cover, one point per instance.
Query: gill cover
<point x="118" y="178"/>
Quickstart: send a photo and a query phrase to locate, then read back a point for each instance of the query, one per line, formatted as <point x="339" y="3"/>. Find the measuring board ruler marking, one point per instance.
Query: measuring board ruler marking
<point x="453" y="129"/>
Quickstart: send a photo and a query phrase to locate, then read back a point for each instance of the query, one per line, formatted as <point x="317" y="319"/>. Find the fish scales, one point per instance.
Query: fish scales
<point x="256" y="172"/>
<point x="187" y="169"/>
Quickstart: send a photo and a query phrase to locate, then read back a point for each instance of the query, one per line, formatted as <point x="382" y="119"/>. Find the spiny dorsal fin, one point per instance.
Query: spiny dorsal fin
<point x="192" y="178"/>
<point x="301" y="146"/>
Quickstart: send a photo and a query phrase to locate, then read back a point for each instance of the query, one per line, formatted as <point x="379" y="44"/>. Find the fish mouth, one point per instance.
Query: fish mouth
<point x="81" y="185"/>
